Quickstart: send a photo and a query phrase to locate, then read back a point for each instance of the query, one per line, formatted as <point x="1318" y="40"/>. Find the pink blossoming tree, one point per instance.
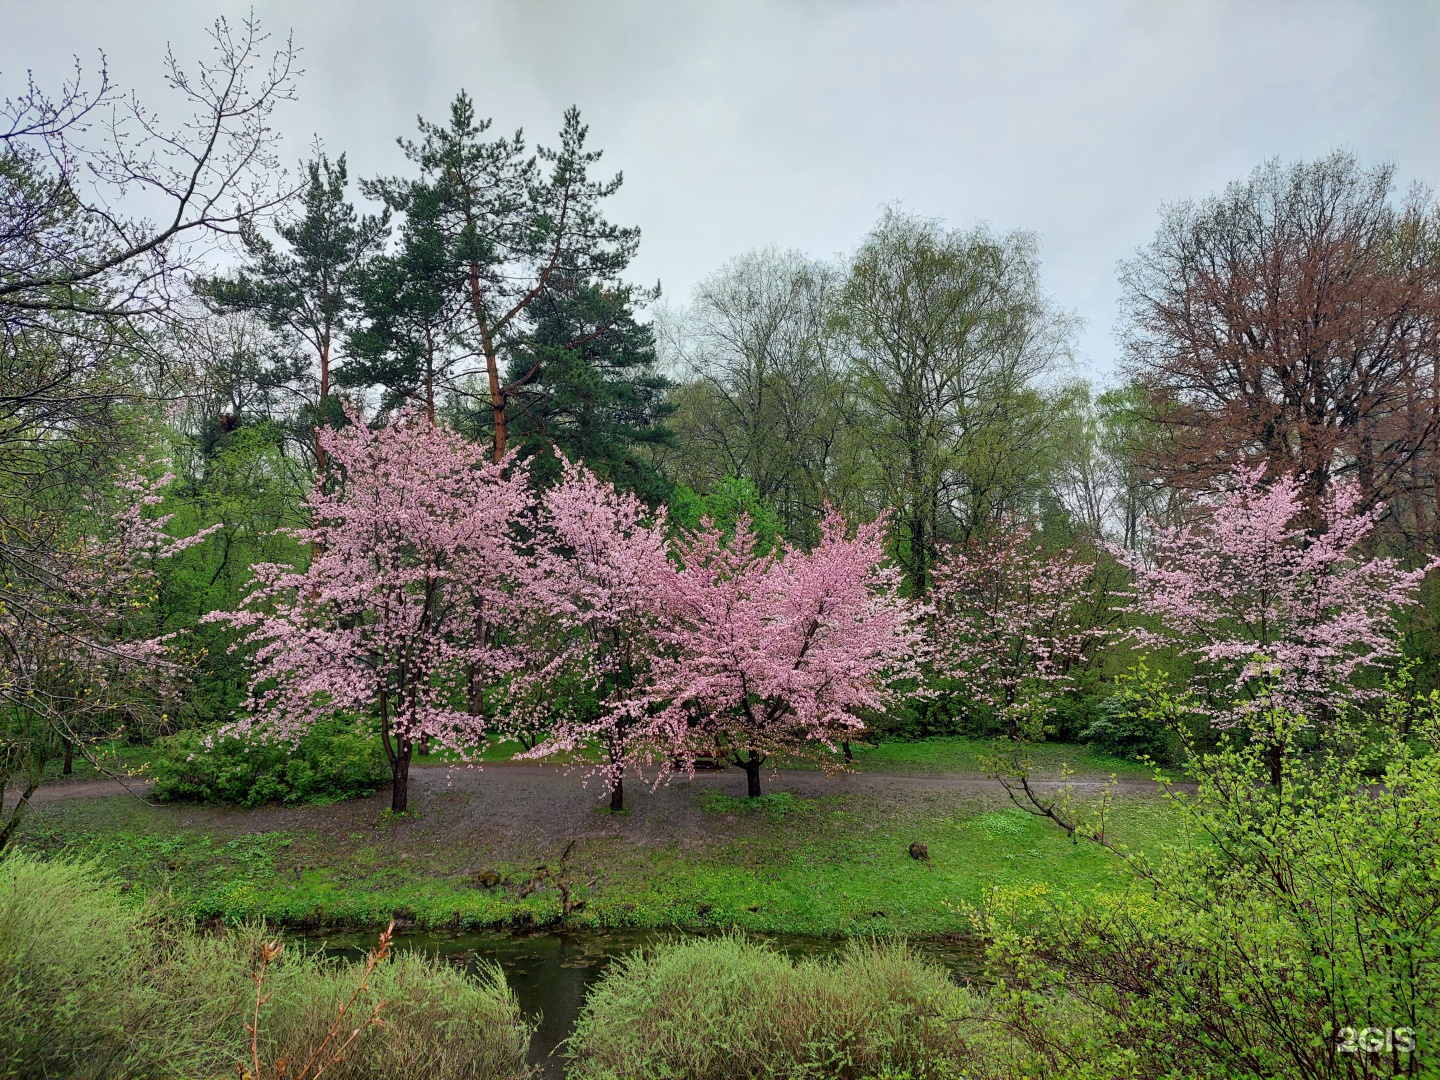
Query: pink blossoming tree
<point x="600" y="555"/>
<point x="1273" y="614"/>
<point x="777" y="653"/>
<point x="1011" y="618"/>
<point x="399" y="612"/>
<point x="79" y="653"/>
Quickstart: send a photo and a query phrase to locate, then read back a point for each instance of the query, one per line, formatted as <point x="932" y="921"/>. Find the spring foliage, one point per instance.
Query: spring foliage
<point x="1011" y="619"/>
<point x="778" y="653"/>
<point x="1287" y="913"/>
<point x="397" y="613"/>
<point x="1273" y="607"/>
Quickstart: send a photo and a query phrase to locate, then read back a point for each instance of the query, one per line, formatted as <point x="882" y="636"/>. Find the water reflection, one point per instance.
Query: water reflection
<point x="551" y="972"/>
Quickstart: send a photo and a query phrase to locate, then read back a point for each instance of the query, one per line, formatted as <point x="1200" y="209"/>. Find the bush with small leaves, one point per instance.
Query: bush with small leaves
<point x="337" y="759"/>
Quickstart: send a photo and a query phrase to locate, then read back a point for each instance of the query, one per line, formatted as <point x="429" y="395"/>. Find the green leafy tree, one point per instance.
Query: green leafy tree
<point x="727" y="501"/>
<point x="245" y="486"/>
<point x="765" y="394"/>
<point x="946" y="333"/>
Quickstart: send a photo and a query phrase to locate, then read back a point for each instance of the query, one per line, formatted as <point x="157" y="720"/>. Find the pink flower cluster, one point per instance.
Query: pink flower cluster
<point x="404" y="604"/>
<point x="437" y="577"/>
<point x="594" y="619"/>
<point x="779" y="652"/>
<point x="1011" y="619"/>
<point x="720" y="650"/>
<point x="1271" y="610"/>
<point x="79" y="642"/>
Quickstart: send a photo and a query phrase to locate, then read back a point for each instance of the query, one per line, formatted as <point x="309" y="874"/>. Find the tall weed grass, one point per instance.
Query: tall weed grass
<point x="92" y="987"/>
<point x="726" y="1007"/>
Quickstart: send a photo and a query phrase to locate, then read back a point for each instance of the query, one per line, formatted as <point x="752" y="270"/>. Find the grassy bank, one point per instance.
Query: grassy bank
<point x="815" y="864"/>
<point x="941" y="754"/>
<point x="971" y="757"/>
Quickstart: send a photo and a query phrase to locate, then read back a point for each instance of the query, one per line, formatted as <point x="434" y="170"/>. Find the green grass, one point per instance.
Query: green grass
<point x="827" y="865"/>
<point x="961" y="755"/>
<point x="777" y="805"/>
<point x="836" y="864"/>
<point x="941" y="754"/>
<point x="114" y="757"/>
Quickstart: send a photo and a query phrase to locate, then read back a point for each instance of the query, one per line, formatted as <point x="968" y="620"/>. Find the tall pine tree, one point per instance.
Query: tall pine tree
<point x="306" y="285"/>
<point x="511" y="235"/>
<point x="586" y="386"/>
<point x="408" y="339"/>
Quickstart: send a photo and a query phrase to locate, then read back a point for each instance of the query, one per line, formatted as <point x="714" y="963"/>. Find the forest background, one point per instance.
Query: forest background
<point x="926" y="379"/>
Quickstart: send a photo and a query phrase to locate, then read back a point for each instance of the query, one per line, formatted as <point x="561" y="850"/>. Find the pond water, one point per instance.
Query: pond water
<point x="550" y="972"/>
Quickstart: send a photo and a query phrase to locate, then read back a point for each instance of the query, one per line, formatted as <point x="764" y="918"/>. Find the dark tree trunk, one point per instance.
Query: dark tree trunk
<point x="751" y="764"/>
<point x="1276" y="761"/>
<point x="617" y="795"/>
<point x="425" y="746"/>
<point x="8" y="832"/>
<point x="69" y="759"/>
<point x="849" y="754"/>
<point x="400" y="777"/>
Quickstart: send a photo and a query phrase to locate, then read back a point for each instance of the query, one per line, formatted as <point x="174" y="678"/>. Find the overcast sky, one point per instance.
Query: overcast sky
<point x="791" y="122"/>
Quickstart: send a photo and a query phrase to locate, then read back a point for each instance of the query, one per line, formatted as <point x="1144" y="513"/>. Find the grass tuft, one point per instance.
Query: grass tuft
<point x="94" y="986"/>
<point x="713" y="1009"/>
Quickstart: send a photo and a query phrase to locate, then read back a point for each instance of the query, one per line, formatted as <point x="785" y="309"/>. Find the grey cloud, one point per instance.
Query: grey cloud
<point x="739" y="124"/>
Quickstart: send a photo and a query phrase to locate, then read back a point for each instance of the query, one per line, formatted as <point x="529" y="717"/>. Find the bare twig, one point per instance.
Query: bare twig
<point x="318" y="1062"/>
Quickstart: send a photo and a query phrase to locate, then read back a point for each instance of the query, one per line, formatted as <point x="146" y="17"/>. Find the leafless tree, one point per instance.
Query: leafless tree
<point x="764" y="396"/>
<point x="1294" y="318"/>
<point x="72" y="166"/>
<point x="85" y="278"/>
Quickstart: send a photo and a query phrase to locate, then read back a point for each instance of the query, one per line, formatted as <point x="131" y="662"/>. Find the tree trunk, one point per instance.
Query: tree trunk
<point x="400" y="777"/>
<point x="492" y="362"/>
<point x="497" y="413"/>
<point x="8" y="832"/>
<point x="1274" y="754"/>
<point x="69" y="758"/>
<point x="849" y="754"/>
<point x="617" y="795"/>
<point x="751" y="764"/>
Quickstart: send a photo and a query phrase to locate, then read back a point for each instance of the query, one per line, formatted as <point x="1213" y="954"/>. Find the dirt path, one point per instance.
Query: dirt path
<point x="505" y="809"/>
<point x="555" y="780"/>
<point x="97" y="788"/>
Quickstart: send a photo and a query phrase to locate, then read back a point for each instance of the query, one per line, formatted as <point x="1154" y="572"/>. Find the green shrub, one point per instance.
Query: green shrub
<point x="68" y="949"/>
<point x="440" y="1023"/>
<point x="726" y="1007"/>
<point x="93" y="988"/>
<point x="947" y="708"/>
<point x="1126" y="732"/>
<point x="333" y="761"/>
<point x="1294" y="920"/>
